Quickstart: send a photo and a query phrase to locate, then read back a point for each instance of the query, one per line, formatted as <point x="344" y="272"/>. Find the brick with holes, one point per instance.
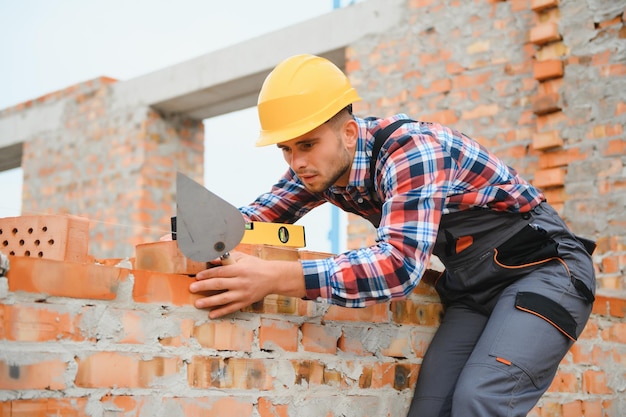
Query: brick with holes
<point x="57" y="237"/>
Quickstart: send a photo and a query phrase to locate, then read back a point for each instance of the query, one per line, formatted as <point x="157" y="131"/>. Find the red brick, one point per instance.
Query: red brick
<point x="616" y="333"/>
<point x="565" y="382"/>
<point x="546" y="103"/>
<point x="251" y="374"/>
<point x="444" y="117"/>
<point x="454" y="68"/>
<point x="470" y="81"/>
<point x="400" y="376"/>
<point x="481" y="110"/>
<point x="319" y="338"/>
<point x="61" y="238"/>
<point x="595" y="382"/>
<point x="544" y="33"/>
<point x="214" y="406"/>
<point x="278" y="334"/>
<point x="352" y="342"/>
<point x="206" y="406"/>
<point x="436" y="87"/>
<point x="267" y="408"/>
<point x="539" y="5"/>
<point x="410" y="312"/>
<point x="551" y="121"/>
<point x="124" y="370"/>
<point x="610" y="264"/>
<point x="547" y="140"/>
<point x="615" y="148"/>
<point x="398" y="345"/>
<point x="377" y="313"/>
<point x="38" y="323"/>
<point x="580" y="352"/>
<point x="157" y="287"/>
<point x="45" y="407"/>
<point x="230" y="373"/>
<point x="165" y="257"/>
<point x="65" y="279"/>
<point x="613" y="70"/>
<point x="352" y="65"/>
<point x="279" y="304"/>
<point x="309" y="372"/>
<point x="548" y="69"/>
<point x="519" y="5"/>
<point x="617" y="307"/>
<point x="225" y="335"/>
<point x="551" y="177"/>
<point x="43" y="375"/>
<point x="593" y="408"/>
<point x="561" y="157"/>
<point x="420" y="340"/>
<point x="133" y="326"/>
<point x="181" y="336"/>
<point x="573" y="409"/>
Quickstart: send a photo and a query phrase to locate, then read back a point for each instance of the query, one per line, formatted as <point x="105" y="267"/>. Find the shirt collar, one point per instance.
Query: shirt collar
<point x="359" y="172"/>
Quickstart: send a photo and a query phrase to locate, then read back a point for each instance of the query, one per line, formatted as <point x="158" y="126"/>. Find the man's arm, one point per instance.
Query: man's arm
<point x="249" y="279"/>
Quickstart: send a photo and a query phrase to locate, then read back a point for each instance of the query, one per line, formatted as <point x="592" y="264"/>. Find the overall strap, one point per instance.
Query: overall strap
<point x="379" y="138"/>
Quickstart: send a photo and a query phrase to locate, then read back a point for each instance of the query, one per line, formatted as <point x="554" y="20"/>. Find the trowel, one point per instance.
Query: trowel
<point x="207" y="227"/>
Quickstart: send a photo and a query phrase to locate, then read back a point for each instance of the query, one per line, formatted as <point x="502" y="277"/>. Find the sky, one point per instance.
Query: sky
<point x="47" y="45"/>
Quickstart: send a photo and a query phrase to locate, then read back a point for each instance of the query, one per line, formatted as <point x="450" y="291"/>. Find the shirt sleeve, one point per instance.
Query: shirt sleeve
<point x="286" y="202"/>
<point x="415" y="179"/>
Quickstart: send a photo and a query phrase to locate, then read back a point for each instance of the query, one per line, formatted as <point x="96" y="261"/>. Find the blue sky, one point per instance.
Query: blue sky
<point x="48" y="45"/>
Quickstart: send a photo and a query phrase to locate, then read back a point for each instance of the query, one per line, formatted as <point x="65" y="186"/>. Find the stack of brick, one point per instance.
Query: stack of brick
<point x="548" y="70"/>
<point x="105" y="338"/>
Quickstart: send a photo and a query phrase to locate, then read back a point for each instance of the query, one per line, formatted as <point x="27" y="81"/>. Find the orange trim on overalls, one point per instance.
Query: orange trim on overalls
<point x="554" y="258"/>
<point x="548" y="320"/>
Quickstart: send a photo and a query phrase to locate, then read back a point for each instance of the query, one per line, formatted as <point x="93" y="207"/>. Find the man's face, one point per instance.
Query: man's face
<point x="323" y="156"/>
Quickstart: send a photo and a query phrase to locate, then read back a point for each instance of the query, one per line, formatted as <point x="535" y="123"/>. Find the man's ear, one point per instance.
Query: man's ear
<point x="350" y="133"/>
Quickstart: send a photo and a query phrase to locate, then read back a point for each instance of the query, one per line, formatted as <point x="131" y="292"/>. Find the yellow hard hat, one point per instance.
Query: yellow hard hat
<point x="300" y="94"/>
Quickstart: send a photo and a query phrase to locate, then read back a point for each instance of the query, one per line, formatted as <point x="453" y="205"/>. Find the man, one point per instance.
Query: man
<point x="518" y="286"/>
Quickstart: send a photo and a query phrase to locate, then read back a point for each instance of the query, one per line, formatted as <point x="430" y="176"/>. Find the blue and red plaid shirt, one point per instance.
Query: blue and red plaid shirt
<point x="424" y="170"/>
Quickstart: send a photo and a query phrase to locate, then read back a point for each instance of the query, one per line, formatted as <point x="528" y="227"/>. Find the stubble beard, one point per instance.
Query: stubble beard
<point x="343" y="166"/>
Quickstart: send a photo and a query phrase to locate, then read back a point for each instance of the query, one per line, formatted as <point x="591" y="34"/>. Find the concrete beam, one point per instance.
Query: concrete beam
<point x="18" y="127"/>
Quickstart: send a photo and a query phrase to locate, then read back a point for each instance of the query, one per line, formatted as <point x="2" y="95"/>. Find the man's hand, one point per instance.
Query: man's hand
<point x="248" y="280"/>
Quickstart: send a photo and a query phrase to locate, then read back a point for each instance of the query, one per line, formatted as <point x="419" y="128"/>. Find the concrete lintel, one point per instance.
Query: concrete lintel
<point x="21" y="126"/>
<point x="229" y="79"/>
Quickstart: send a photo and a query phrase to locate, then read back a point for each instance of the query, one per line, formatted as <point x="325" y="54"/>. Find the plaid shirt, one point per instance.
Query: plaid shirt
<point x="423" y="171"/>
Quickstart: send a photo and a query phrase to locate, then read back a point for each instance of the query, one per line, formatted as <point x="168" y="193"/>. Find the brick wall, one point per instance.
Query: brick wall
<point x="112" y="164"/>
<point x="106" y="339"/>
<point x="539" y="82"/>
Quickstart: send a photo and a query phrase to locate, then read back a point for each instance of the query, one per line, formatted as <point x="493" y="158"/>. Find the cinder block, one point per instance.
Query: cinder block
<point x="60" y="238"/>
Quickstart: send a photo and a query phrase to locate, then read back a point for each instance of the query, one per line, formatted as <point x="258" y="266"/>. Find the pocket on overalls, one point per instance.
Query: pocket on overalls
<point x="529" y="247"/>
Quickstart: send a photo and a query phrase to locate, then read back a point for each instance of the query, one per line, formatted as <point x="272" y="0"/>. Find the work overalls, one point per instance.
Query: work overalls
<point x="517" y="290"/>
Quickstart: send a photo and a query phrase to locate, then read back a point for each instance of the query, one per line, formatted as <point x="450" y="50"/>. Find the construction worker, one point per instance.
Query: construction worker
<point x="518" y="286"/>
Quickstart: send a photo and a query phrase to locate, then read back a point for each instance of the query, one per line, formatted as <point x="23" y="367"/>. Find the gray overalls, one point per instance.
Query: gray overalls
<point x="518" y="290"/>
